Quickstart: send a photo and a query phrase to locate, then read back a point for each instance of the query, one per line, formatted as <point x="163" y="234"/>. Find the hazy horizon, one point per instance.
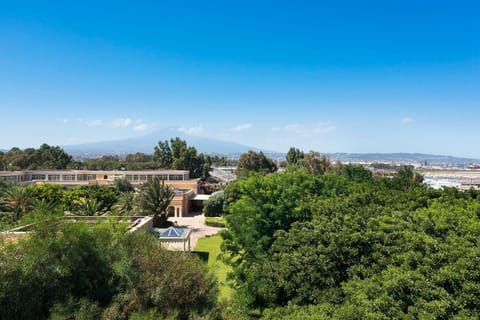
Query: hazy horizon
<point x="369" y="77"/>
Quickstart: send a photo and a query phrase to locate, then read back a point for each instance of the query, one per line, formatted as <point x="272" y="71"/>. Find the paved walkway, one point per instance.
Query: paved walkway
<point x="199" y="230"/>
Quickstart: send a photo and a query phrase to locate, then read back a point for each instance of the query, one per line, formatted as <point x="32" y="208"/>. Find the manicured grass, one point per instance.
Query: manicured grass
<point x="212" y="246"/>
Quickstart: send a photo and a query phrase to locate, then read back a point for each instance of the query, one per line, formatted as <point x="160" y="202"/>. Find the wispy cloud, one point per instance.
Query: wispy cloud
<point x="94" y="123"/>
<point x="194" y="131"/>
<point x="308" y="130"/>
<point x="121" y="122"/>
<point x="407" y="120"/>
<point x="141" y="126"/>
<point x="241" y="127"/>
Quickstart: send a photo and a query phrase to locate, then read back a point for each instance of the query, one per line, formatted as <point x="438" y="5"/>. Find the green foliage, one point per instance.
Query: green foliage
<point x="294" y="156"/>
<point x="126" y="205"/>
<point x="123" y="185"/>
<point x="407" y="178"/>
<point x="104" y="196"/>
<point x="186" y="158"/>
<point x="48" y="191"/>
<point x="348" y="246"/>
<point x="45" y="157"/>
<point x="356" y="173"/>
<point x="214" y="206"/>
<point x="313" y="162"/>
<point x="17" y="199"/>
<point x="154" y="199"/>
<point x="232" y="194"/>
<point x="252" y="162"/>
<point x="43" y="206"/>
<point x="7" y="220"/>
<point x="316" y="163"/>
<point x="73" y="271"/>
<point x="162" y="154"/>
<point x="215" y="222"/>
<point x="88" y="207"/>
<point x="178" y="155"/>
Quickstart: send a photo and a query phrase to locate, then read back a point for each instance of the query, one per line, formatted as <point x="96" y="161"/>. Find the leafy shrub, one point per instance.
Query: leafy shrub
<point x="214" y="206"/>
<point x="215" y="222"/>
<point x="73" y="271"/>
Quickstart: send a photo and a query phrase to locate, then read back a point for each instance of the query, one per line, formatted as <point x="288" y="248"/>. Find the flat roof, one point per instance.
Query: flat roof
<point x="94" y="172"/>
<point x="200" y="197"/>
<point x="111" y="171"/>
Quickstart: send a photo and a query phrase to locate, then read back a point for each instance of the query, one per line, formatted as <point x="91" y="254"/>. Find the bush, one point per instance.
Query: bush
<point x="215" y="222"/>
<point x="73" y="271"/>
<point x="213" y="207"/>
<point x="7" y="220"/>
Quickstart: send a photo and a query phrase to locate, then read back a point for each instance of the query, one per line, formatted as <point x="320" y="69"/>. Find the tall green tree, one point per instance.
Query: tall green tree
<point x="252" y="161"/>
<point x="294" y="156"/>
<point x="186" y="158"/>
<point x="316" y="163"/>
<point x="53" y="157"/>
<point x="162" y="155"/>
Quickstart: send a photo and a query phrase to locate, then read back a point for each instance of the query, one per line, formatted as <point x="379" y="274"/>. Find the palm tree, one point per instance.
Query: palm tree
<point x="154" y="199"/>
<point x="43" y="206"/>
<point x="125" y="204"/>
<point x="89" y="207"/>
<point x="17" y="199"/>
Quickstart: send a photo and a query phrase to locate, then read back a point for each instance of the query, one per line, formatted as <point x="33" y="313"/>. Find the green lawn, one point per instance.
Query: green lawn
<point x="211" y="245"/>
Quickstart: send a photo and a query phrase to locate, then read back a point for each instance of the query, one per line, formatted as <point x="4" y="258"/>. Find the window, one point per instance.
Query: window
<point x="68" y="177"/>
<point x="86" y="177"/>
<point x="38" y="177"/>
<point x="53" y="177"/>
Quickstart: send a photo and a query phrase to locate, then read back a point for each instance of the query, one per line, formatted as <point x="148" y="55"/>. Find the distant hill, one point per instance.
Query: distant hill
<point x="402" y="158"/>
<point x="146" y="144"/>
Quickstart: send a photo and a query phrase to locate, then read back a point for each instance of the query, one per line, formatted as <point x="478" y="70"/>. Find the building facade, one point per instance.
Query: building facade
<point x="179" y="180"/>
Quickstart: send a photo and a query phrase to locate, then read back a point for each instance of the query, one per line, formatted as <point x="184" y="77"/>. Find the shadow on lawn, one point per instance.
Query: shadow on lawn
<point x="202" y="255"/>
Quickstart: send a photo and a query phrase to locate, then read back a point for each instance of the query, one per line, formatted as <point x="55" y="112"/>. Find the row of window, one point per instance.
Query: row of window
<point x="145" y="177"/>
<point x="63" y="177"/>
<point x="87" y="177"/>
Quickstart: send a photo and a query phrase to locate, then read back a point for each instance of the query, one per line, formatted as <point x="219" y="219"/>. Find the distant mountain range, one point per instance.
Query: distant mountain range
<point x="146" y="144"/>
<point x="210" y="146"/>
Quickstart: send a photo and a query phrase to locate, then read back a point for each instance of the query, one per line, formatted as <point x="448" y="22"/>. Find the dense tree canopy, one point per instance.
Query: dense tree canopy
<point x="75" y="271"/>
<point x="45" y="157"/>
<point x="349" y="246"/>
<point x="252" y="162"/>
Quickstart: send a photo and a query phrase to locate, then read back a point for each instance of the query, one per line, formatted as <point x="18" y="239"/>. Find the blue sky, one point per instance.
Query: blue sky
<point x="332" y="76"/>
